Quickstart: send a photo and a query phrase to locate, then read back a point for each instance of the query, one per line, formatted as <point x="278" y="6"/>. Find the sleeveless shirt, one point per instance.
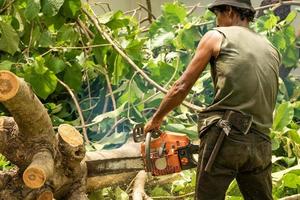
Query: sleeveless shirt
<point x="245" y="76"/>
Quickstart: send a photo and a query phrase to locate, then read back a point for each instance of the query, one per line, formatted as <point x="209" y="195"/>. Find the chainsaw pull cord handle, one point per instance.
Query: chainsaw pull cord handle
<point x="149" y="135"/>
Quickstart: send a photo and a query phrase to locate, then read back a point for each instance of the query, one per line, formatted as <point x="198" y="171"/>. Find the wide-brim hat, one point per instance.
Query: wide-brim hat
<point x="236" y="3"/>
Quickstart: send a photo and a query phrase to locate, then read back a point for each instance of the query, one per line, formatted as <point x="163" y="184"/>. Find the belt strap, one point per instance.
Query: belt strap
<point x="230" y="119"/>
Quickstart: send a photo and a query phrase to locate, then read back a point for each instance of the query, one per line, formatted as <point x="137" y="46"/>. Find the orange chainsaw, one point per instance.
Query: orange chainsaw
<point x="161" y="153"/>
<point x="165" y="152"/>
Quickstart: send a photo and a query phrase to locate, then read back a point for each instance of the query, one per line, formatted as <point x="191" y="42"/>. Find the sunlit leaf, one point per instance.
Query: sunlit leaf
<point x="33" y="9"/>
<point x="51" y="7"/>
<point x="283" y="115"/>
<point x="9" y="41"/>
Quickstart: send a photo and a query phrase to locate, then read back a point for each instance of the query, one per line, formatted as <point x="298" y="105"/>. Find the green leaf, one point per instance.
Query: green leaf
<point x="112" y="141"/>
<point x="6" y="65"/>
<point x="283" y="116"/>
<point x="33" y="9"/>
<point x="73" y="76"/>
<point x="290" y="56"/>
<point x="270" y="22"/>
<point x="186" y="39"/>
<point x="174" y="12"/>
<point x="46" y="40"/>
<point x="159" y="191"/>
<point x="71" y="8"/>
<point x="9" y="41"/>
<point x="55" y="64"/>
<point x="278" y="40"/>
<point x="291" y="180"/>
<point x="42" y="84"/>
<point x="119" y="70"/>
<point x="120" y="194"/>
<point x="295" y="136"/>
<point x="162" y="39"/>
<point x="112" y="114"/>
<point x="291" y="17"/>
<point x="51" y="7"/>
<point x="67" y="35"/>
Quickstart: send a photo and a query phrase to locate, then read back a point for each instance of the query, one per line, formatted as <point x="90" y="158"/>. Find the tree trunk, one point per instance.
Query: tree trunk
<point x="49" y="165"/>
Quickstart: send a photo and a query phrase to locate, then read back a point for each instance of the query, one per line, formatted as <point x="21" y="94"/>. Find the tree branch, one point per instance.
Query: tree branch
<point x="130" y="61"/>
<point x="150" y="14"/>
<point x="293" y="197"/>
<point x="295" y="3"/>
<point x="139" y="186"/>
<point x="149" y="10"/>
<point x="84" y="132"/>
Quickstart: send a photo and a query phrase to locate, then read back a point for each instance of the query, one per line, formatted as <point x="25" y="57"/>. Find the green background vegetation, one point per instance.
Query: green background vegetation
<point x="52" y="40"/>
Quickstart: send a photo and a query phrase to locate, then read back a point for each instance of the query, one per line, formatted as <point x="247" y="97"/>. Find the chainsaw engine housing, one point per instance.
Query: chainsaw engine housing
<point x="169" y="153"/>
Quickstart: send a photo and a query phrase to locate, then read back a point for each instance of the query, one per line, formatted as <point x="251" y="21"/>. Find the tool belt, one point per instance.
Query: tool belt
<point x="229" y="120"/>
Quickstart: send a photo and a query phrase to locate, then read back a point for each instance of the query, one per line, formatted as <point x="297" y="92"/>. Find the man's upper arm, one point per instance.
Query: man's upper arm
<point x="208" y="47"/>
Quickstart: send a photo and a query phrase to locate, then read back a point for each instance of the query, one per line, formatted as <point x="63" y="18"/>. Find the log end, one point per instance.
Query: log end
<point x="9" y="85"/>
<point x="34" y="177"/>
<point x="46" y="195"/>
<point x="70" y="135"/>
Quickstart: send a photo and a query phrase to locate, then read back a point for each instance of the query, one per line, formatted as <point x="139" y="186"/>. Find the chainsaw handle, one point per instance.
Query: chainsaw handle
<point x="148" y="151"/>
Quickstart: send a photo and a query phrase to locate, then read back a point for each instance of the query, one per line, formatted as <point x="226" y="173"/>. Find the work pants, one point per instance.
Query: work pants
<point x="246" y="158"/>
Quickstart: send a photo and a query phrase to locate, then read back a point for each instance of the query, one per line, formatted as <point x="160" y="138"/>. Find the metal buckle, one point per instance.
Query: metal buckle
<point x="224" y="125"/>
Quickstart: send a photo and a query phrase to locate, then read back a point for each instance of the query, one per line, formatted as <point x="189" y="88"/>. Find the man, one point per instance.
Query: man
<point x="244" y="68"/>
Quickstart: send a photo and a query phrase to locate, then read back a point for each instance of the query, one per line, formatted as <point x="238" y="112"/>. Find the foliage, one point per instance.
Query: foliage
<point x="50" y="40"/>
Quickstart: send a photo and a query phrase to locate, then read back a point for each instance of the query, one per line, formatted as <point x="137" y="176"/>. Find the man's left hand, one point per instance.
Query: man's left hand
<point x="152" y="125"/>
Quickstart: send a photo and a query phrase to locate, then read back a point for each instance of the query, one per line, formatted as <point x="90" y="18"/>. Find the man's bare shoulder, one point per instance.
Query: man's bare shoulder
<point x="212" y="40"/>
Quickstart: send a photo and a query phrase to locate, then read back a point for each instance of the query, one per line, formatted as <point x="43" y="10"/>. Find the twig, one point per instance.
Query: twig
<point x="198" y="5"/>
<point x="148" y="11"/>
<point x="113" y="100"/>
<point x="103" y="3"/>
<point x="175" y="197"/>
<point x="150" y="14"/>
<point x="130" y="61"/>
<point x="120" y="121"/>
<point x="85" y="28"/>
<point x="7" y="6"/>
<point x="84" y="47"/>
<point x="297" y="3"/>
<point x="78" y="110"/>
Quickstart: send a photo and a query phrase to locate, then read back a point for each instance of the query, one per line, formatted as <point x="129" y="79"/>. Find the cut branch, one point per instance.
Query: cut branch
<point x="130" y="61"/>
<point x="39" y="171"/>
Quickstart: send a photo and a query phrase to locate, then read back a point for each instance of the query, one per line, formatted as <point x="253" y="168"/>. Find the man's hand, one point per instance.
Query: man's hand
<point x="152" y="125"/>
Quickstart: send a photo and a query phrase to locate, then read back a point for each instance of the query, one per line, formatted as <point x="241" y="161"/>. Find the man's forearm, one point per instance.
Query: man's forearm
<point x="173" y="98"/>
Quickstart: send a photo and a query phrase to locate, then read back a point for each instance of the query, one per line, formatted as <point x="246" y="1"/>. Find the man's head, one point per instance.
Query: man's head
<point x="232" y="12"/>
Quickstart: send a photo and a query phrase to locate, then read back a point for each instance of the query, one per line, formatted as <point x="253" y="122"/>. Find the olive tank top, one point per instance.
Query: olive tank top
<point x="245" y="76"/>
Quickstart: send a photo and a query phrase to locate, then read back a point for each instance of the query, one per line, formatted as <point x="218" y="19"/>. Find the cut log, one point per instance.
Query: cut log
<point x="46" y="195"/>
<point x="9" y="85"/>
<point x="40" y="170"/>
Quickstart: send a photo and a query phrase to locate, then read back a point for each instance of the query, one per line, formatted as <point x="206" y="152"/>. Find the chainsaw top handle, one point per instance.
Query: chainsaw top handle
<point x="149" y="135"/>
<point x="140" y="136"/>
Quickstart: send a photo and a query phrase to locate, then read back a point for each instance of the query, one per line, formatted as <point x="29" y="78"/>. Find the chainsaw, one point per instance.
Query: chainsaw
<point x="165" y="152"/>
<point x="159" y="153"/>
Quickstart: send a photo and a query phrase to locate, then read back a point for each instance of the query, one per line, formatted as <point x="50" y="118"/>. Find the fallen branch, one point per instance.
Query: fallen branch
<point x="139" y="186"/>
<point x="130" y="61"/>
<point x="293" y="197"/>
